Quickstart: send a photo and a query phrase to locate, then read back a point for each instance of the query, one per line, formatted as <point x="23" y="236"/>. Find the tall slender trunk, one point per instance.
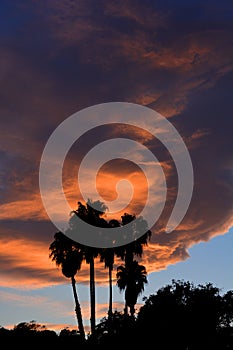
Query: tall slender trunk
<point x="132" y="310"/>
<point x="78" y="308"/>
<point x="126" y="309"/>
<point x="129" y="256"/>
<point x="126" y="301"/>
<point x="92" y="294"/>
<point x="110" y="291"/>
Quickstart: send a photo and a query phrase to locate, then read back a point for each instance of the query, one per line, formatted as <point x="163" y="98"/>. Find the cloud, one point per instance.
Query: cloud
<point x="25" y="262"/>
<point x="88" y="53"/>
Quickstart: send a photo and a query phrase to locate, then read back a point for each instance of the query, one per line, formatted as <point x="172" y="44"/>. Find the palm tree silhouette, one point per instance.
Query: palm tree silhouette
<point x="129" y="251"/>
<point x="135" y="247"/>
<point x="131" y="278"/>
<point x="67" y="255"/>
<point x="107" y="256"/>
<point x="91" y="212"/>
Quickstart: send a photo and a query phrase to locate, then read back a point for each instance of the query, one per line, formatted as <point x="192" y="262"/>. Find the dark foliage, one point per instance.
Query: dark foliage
<point x="178" y="316"/>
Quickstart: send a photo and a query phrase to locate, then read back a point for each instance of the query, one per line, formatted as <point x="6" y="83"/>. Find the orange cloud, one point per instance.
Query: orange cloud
<point x="25" y="263"/>
<point x="24" y="209"/>
<point x="163" y="76"/>
<point x="33" y="269"/>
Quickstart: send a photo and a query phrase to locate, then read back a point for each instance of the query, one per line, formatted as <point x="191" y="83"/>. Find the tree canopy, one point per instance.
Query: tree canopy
<point x="180" y="315"/>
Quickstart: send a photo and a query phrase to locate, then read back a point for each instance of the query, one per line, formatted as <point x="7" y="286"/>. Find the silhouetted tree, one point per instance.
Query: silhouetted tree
<point x="66" y="332"/>
<point x="107" y="256"/>
<point x="69" y="256"/>
<point x="4" y="332"/>
<point x="28" y="328"/>
<point x="91" y="213"/>
<point x="32" y="329"/>
<point x="226" y="317"/>
<point x="181" y="316"/>
<point x="131" y="278"/>
<point x="115" y="330"/>
<point x="128" y="251"/>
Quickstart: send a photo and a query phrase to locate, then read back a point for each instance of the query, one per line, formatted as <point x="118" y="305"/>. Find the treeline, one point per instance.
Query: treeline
<point x="33" y="335"/>
<point x="178" y="316"/>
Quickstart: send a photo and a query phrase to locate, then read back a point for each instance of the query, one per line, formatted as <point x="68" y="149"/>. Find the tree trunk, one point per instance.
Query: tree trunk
<point x="110" y="292"/>
<point x="92" y="294"/>
<point x="129" y="256"/>
<point x="132" y="310"/>
<point x="126" y="309"/>
<point x="78" y="309"/>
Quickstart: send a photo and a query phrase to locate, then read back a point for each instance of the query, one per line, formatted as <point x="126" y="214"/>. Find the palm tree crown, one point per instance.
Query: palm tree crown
<point x="132" y="279"/>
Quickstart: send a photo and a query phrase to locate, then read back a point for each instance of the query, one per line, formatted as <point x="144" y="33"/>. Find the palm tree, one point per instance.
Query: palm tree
<point x="90" y="255"/>
<point x="131" y="278"/>
<point x="128" y="251"/>
<point x="107" y="256"/>
<point x="67" y="255"/>
<point x="88" y="213"/>
<point x="136" y="246"/>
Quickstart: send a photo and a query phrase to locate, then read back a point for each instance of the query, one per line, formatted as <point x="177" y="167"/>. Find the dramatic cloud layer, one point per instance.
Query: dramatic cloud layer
<point x="60" y="56"/>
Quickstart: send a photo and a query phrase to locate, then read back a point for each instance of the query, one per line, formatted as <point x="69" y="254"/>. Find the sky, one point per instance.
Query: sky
<point x="58" y="57"/>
